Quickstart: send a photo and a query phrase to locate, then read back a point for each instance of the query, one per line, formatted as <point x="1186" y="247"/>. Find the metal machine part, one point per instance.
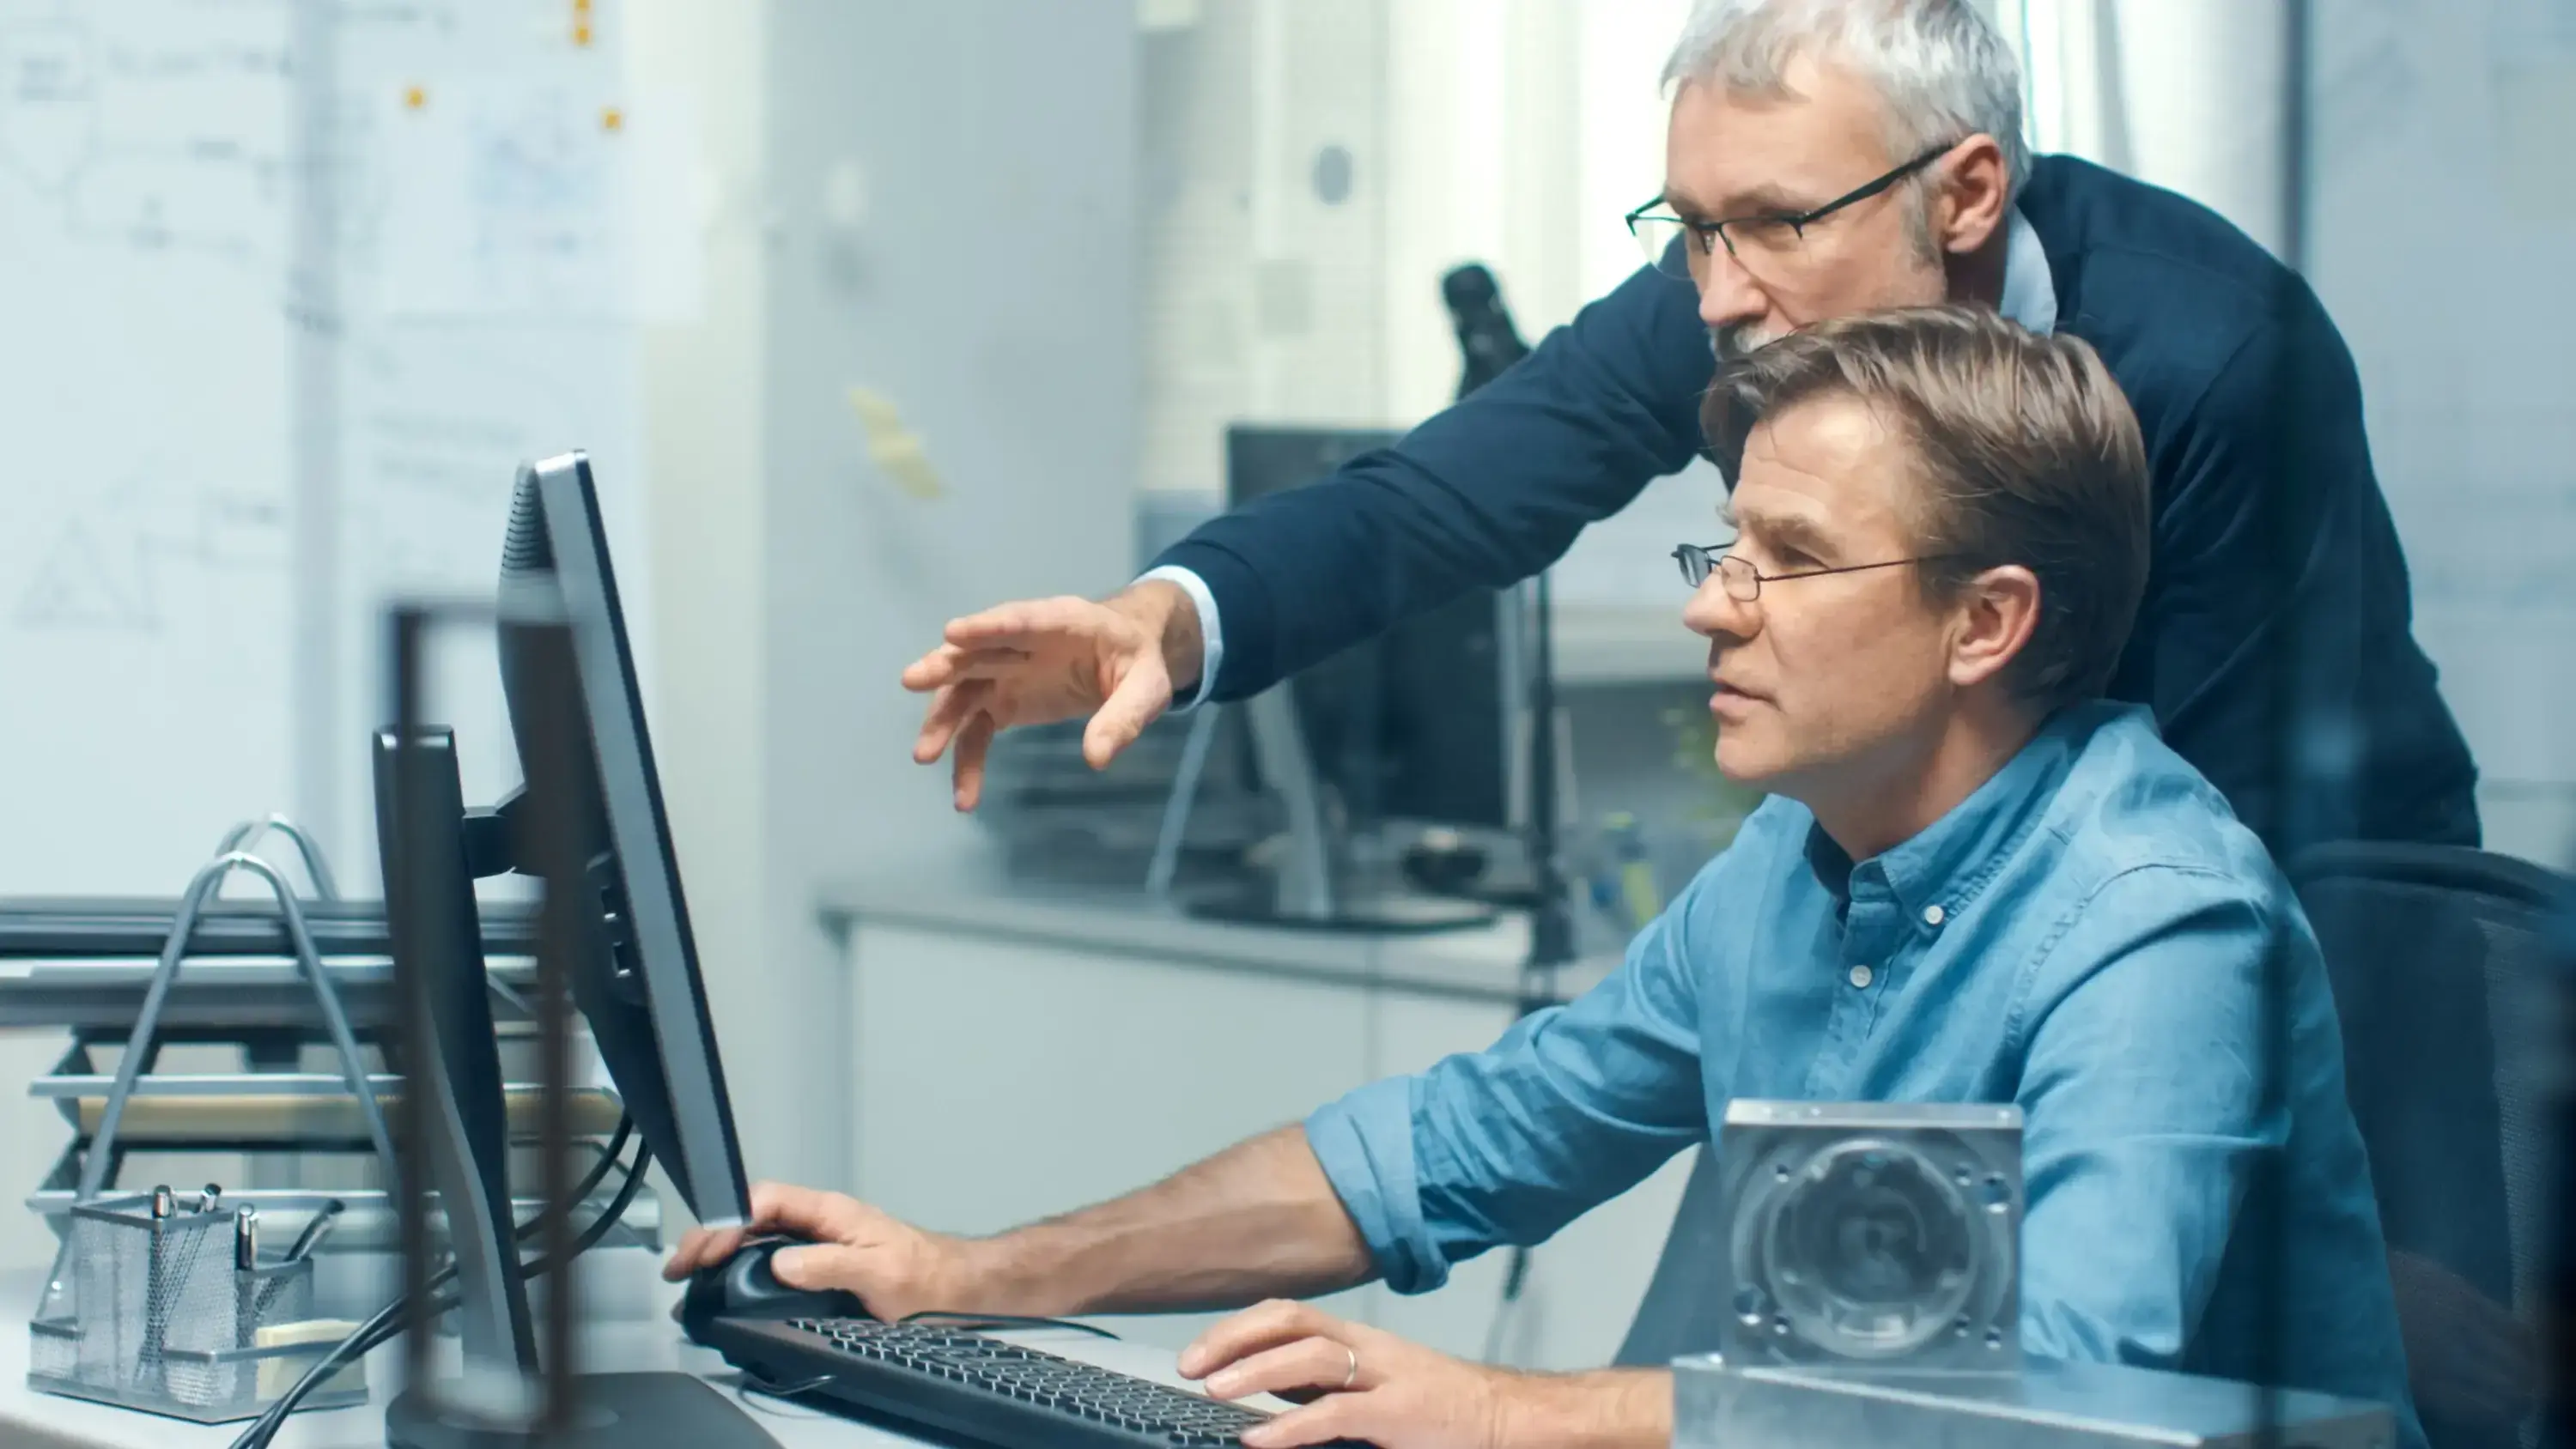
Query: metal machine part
<point x="2043" y="1404"/>
<point x="1880" y="1233"/>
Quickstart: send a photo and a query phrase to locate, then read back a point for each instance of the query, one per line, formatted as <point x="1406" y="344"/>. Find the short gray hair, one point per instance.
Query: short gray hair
<point x="1942" y="69"/>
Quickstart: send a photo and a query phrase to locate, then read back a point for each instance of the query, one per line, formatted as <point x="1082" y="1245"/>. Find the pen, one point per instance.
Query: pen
<point x="247" y="1296"/>
<point x="306" y="1242"/>
<point x="311" y="1238"/>
<point x="155" y="1290"/>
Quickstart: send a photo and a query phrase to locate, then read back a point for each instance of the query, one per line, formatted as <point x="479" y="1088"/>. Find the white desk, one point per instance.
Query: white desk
<point x="30" y="1420"/>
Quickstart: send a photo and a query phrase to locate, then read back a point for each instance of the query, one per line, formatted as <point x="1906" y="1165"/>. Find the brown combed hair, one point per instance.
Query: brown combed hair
<point x="2029" y="455"/>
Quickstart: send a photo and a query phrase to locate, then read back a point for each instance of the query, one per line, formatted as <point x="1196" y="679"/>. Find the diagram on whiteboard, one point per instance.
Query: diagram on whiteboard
<point x="124" y="564"/>
<point x="189" y="169"/>
<point x="293" y="286"/>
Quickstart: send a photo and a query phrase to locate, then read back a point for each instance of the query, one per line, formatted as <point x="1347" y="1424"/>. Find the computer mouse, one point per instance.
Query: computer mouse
<point x="744" y="1286"/>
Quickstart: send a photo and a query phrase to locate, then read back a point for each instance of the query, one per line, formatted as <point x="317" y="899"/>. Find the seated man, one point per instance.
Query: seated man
<point x="1976" y="881"/>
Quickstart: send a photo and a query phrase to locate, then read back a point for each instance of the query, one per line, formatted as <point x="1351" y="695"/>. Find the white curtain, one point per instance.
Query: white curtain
<point x="2187" y="94"/>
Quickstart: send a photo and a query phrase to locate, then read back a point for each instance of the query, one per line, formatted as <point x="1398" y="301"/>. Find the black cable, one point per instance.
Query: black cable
<point x="753" y="1385"/>
<point x="391" y="1319"/>
<point x="1515" y="1278"/>
<point x="590" y="1183"/>
<point x="977" y="1322"/>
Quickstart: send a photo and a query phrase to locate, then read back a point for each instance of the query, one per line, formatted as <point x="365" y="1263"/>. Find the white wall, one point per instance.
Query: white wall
<point x="935" y="203"/>
<point x="708" y="465"/>
<point x="1504" y="131"/>
<point x="986" y="284"/>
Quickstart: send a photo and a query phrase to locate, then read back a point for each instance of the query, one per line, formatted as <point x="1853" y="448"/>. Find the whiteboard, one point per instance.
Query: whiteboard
<point x="269" y="367"/>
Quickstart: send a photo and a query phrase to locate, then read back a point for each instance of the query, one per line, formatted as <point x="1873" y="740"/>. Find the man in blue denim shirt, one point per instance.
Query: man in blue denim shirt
<point x="1975" y="882"/>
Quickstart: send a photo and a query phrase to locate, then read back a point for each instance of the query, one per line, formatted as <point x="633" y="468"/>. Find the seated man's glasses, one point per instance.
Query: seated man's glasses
<point x="1743" y="582"/>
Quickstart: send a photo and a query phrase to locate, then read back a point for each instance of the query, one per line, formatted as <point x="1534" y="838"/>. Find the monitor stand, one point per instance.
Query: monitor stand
<point x="609" y="1411"/>
<point x="1313" y="888"/>
<point x="1391" y="913"/>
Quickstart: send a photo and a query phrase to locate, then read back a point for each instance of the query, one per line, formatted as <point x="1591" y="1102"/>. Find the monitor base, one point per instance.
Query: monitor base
<point x="1356" y="914"/>
<point x="613" y="1411"/>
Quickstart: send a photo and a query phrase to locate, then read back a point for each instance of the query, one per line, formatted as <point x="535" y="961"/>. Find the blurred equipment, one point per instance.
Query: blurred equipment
<point x="1407" y="730"/>
<point x="1718" y="1404"/>
<point x="1886" y="1233"/>
<point x="273" y="975"/>
<point x="1060" y="822"/>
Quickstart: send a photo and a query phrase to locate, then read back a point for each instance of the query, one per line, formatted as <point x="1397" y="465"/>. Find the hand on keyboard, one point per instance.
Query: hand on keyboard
<point x="1359" y="1383"/>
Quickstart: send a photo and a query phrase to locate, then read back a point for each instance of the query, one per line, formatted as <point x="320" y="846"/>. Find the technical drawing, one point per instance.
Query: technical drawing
<point x="112" y="567"/>
<point x="48" y="102"/>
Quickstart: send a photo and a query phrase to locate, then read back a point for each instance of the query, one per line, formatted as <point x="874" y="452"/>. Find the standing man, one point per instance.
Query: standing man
<point x="1826" y="157"/>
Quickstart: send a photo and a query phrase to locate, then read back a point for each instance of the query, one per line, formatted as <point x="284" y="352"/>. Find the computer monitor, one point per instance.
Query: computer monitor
<point x="639" y="984"/>
<point x="1413" y="725"/>
<point x="592" y="812"/>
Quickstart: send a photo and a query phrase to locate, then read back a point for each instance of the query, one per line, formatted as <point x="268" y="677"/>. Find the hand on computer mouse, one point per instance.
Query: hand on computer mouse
<point x="894" y="1268"/>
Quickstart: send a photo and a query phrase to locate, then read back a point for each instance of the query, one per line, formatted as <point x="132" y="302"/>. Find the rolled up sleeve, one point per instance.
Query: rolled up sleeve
<point x="1574" y="1105"/>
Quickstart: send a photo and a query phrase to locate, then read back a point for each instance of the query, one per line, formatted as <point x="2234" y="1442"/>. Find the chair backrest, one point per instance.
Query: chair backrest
<point x="2454" y="994"/>
<point x="2445" y="979"/>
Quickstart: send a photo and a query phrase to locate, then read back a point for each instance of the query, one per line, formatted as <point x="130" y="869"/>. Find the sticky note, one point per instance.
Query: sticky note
<point x="893" y="447"/>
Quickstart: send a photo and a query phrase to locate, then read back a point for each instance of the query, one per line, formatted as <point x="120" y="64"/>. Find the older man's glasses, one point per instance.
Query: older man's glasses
<point x="1766" y="244"/>
<point x="1743" y="582"/>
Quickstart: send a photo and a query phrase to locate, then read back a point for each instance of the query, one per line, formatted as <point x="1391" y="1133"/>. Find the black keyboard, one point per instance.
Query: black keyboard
<point x="977" y="1385"/>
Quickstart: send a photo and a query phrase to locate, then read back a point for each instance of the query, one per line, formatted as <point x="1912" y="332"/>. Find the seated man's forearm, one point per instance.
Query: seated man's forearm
<point x="1605" y="1409"/>
<point x="1258" y="1220"/>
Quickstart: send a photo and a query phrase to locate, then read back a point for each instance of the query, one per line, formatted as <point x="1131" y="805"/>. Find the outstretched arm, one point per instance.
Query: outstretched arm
<point x="1485" y="493"/>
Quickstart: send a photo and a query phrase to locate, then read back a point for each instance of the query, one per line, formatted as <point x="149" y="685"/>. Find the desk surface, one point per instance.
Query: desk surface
<point x="1478" y="963"/>
<point x="31" y="1420"/>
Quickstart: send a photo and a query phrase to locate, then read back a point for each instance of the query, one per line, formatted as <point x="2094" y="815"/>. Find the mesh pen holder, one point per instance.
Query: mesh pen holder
<point x="154" y="1315"/>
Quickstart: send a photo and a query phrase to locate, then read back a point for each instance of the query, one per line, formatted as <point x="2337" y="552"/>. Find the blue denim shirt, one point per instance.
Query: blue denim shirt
<point x="2085" y="935"/>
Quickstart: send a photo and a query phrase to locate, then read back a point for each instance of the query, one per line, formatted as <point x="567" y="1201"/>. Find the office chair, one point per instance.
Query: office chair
<point x="2445" y="983"/>
<point x="2452" y="997"/>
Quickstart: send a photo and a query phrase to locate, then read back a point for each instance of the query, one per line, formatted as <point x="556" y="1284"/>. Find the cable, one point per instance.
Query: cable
<point x="977" y="1322"/>
<point x="1506" y="1310"/>
<point x="590" y="1183"/>
<point x="754" y="1386"/>
<point x="392" y="1319"/>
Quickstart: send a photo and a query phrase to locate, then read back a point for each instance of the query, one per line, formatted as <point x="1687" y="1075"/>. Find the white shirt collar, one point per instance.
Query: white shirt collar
<point x="2030" y="292"/>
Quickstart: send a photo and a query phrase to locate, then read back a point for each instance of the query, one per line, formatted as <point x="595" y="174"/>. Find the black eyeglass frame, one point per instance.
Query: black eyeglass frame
<point x="1699" y="561"/>
<point x="1797" y="222"/>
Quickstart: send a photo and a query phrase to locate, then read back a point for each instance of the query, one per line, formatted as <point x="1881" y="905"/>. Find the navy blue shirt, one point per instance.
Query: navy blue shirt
<point x="2086" y="935"/>
<point x="2277" y="592"/>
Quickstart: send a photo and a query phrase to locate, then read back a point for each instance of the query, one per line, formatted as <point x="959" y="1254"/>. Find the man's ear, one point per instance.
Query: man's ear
<point x="1975" y="185"/>
<point x="1998" y="610"/>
